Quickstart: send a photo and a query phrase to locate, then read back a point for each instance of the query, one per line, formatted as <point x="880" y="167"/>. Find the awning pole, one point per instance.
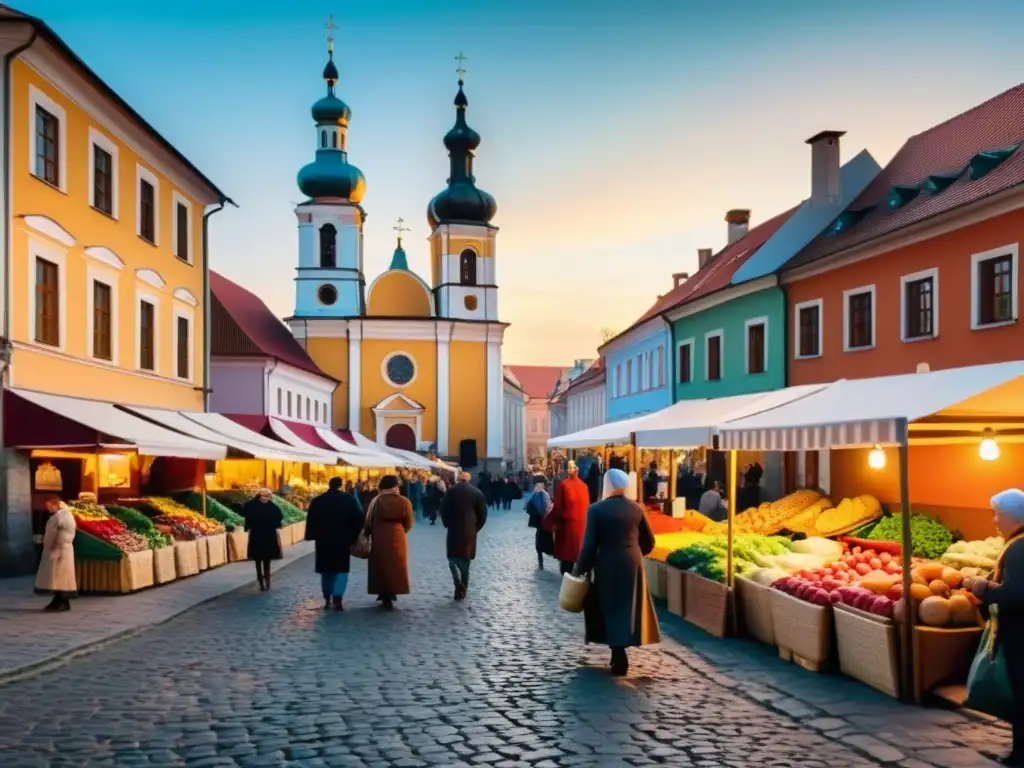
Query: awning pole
<point x="910" y="613"/>
<point x="634" y="467"/>
<point x="672" y="474"/>
<point x="732" y="515"/>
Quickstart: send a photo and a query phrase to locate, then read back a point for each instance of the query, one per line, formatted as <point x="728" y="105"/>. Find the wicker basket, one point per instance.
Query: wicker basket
<point x="656" y="578"/>
<point x="675" y="590"/>
<point x="186" y="558"/>
<point x="803" y="631"/>
<point x="163" y="565"/>
<point x="868" y="649"/>
<point x="706" y="604"/>
<point x="131" y="573"/>
<point x="238" y="546"/>
<point x="217" y="549"/>
<point x="755" y="606"/>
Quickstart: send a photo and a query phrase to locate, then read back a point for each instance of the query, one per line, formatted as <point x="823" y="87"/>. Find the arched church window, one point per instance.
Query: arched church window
<point x="467" y="267"/>
<point x="328" y="246"/>
<point x="323" y="138"/>
<point x="334" y="140"/>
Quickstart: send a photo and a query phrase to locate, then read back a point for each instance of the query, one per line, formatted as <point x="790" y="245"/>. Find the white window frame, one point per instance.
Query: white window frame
<point x="797" y="309"/>
<point x="144" y="174"/>
<point x="720" y="333"/>
<point x="689" y="343"/>
<point x="37" y="249"/>
<point x="847" y="295"/>
<point x="1013" y="250"/>
<point x="762" y="320"/>
<point x="189" y="314"/>
<point x="142" y="295"/>
<point x="98" y="139"/>
<point x="109" y="278"/>
<point x="924" y="274"/>
<point x="37" y="98"/>
<point x="179" y="199"/>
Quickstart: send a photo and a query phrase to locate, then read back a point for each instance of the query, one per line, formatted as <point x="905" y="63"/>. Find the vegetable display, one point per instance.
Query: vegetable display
<point x="980" y="556"/>
<point x="96" y="521"/>
<point x="214" y="509"/>
<point x="291" y="513"/>
<point x="709" y="558"/>
<point x="847" y="515"/>
<point x="929" y="537"/>
<point x="142" y="525"/>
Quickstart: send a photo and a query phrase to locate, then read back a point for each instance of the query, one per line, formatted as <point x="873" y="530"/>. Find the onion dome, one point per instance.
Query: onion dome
<point x="462" y="201"/>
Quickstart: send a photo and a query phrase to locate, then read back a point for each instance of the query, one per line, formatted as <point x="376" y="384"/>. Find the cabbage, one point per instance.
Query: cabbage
<point x="816" y="545"/>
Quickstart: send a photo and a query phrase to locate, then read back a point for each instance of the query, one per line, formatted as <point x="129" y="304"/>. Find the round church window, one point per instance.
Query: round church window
<point x="399" y="369"/>
<point x="327" y="294"/>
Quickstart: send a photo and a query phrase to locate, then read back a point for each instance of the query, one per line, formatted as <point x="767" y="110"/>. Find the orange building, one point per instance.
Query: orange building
<point x="922" y="270"/>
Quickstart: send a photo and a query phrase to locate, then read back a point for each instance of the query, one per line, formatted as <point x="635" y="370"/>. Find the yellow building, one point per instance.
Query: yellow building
<point x="419" y="363"/>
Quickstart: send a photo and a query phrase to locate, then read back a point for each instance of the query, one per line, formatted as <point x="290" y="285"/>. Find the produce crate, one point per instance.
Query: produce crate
<point x="298" y="532"/>
<point x="868" y="648"/>
<point x="675" y="589"/>
<point x="706" y="604"/>
<point x="942" y="655"/>
<point x="755" y="605"/>
<point x="131" y="573"/>
<point x="163" y="565"/>
<point x="202" y="554"/>
<point x="285" y="536"/>
<point x="238" y="546"/>
<point x="656" y="578"/>
<point x="217" y="549"/>
<point x="803" y="631"/>
<point x="186" y="558"/>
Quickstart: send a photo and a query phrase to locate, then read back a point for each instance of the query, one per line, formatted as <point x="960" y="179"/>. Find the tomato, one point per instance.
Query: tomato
<point x="863" y="569"/>
<point x="875" y="563"/>
<point x="885" y="557"/>
<point x="857" y="550"/>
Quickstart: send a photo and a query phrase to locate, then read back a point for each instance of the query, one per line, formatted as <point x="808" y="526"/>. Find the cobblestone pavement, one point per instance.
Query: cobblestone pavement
<point x="503" y="679"/>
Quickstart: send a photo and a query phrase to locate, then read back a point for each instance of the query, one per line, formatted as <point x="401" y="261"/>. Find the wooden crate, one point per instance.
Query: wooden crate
<point x="706" y="604"/>
<point x="656" y="578"/>
<point x="675" y="590"/>
<point x="298" y="532"/>
<point x="755" y="609"/>
<point x="868" y="648"/>
<point x="285" y="536"/>
<point x="942" y="656"/>
<point x="238" y="546"/>
<point x="803" y="631"/>
<point x="217" y="549"/>
<point x="163" y="565"/>
<point x="202" y="554"/>
<point x="131" y="573"/>
<point x="186" y="558"/>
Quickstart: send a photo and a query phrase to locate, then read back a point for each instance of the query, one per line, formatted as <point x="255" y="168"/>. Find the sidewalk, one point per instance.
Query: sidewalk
<point x="32" y="639"/>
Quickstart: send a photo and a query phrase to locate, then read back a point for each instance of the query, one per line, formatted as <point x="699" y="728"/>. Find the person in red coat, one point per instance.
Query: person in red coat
<point x="569" y="518"/>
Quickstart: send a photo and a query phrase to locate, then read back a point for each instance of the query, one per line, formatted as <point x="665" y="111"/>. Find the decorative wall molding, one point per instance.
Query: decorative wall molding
<point x="186" y="296"/>
<point x="47" y="226"/>
<point x="151" y="277"/>
<point x="104" y="254"/>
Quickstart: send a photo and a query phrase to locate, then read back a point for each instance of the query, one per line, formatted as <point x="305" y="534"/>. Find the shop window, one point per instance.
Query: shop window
<point x="147" y="336"/>
<point x="713" y="356"/>
<point x="808" y="329"/>
<point x="328" y="246"/>
<point x="757" y="343"/>
<point x="859" y="318"/>
<point x="686" y="362"/>
<point x="920" y="305"/>
<point x="47" y="303"/>
<point x="147" y="211"/>
<point x="102" y="180"/>
<point x="47" y="147"/>
<point x="101" y="321"/>
<point x="115" y="470"/>
<point x="467" y="267"/>
<point x="995" y="287"/>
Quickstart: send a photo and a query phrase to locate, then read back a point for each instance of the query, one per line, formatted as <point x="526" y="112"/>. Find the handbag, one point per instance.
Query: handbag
<point x="573" y="593"/>
<point x="363" y="545"/>
<point x="988" y="684"/>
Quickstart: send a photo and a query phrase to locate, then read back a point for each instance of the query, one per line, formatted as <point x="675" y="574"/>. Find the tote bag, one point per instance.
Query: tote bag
<point x="361" y="548"/>
<point x="988" y="684"/>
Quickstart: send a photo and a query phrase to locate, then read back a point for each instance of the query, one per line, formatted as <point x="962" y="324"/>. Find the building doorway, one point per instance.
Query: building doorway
<point x="401" y="436"/>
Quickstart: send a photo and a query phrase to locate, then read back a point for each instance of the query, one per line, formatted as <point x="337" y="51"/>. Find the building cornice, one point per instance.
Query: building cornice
<point x="721" y="296"/>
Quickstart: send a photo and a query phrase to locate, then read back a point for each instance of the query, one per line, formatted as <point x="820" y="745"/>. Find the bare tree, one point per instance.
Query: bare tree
<point x="607" y="334"/>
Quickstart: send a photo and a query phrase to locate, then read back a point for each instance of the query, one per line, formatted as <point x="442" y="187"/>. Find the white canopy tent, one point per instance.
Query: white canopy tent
<point x="360" y="457"/>
<point x="407" y="458"/>
<point x="236" y="433"/>
<point x="612" y="433"/>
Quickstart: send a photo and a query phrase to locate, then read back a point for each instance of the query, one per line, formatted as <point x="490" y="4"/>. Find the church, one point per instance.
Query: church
<point x="420" y="363"/>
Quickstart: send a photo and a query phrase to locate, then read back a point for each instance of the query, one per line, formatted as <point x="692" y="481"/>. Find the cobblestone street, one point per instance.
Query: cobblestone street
<point x="503" y="679"/>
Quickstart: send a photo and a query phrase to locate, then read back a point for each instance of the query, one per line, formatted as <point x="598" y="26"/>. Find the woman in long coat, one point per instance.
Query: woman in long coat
<point x="57" y="567"/>
<point x="569" y="517"/>
<point x="388" y="520"/>
<point x="618" y="611"/>
<point x="262" y="519"/>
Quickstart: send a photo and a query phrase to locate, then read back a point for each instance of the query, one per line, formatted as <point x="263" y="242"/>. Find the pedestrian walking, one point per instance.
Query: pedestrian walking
<point x="463" y="513"/>
<point x="432" y="499"/>
<point x="416" y="490"/>
<point x="334" y="522"/>
<point x="508" y="492"/>
<point x="594" y="482"/>
<point x="262" y="520"/>
<point x="56" y="572"/>
<point x="388" y="519"/>
<point x="618" y="611"/>
<point x="569" y="518"/>
<point x="537" y="508"/>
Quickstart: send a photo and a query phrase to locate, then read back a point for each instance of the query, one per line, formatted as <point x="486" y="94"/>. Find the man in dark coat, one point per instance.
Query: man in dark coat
<point x="463" y="513"/>
<point x="334" y="522"/>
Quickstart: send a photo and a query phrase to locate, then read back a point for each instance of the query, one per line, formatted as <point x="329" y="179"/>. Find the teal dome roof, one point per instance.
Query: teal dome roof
<point x="331" y="175"/>
<point x="399" y="260"/>
<point x="331" y="109"/>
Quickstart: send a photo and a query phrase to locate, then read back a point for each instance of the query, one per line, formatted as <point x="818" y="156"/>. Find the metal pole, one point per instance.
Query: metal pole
<point x="732" y="516"/>
<point x="910" y="612"/>
<point x="672" y="474"/>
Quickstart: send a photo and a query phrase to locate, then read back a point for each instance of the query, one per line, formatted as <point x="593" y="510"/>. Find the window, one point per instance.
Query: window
<point x="641" y="385"/>
<point x="629" y="376"/>
<point x="328" y="247"/>
<point x="334" y="140"/>
<point x="298" y="406"/>
<point x="713" y="355"/>
<point x="650" y="371"/>
<point x="102" y="180"/>
<point x="47" y="146"/>
<point x="323" y="139"/>
<point x="147" y="336"/>
<point x="920" y="305"/>
<point x="47" y="302"/>
<point x="661" y="366"/>
<point x="289" y="405"/>
<point x="807" y="326"/>
<point x="618" y="380"/>
<point x="183" y="347"/>
<point x="757" y="344"/>
<point x="686" y="361"/>
<point x="102" y="305"/>
<point x="316" y="411"/>
<point x="859" y="318"/>
<point x="399" y="370"/>
<point x="147" y="211"/>
<point x="182" y="227"/>
<point x="280" y="402"/>
<point x="309" y="409"/>
<point x="994" y="290"/>
<point x="467" y="267"/>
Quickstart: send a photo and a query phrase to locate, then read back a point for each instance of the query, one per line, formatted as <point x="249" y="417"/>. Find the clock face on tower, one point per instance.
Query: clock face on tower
<point x="400" y="369"/>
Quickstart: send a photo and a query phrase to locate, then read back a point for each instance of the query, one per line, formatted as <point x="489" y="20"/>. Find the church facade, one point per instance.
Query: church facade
<point x="419" y="362"/>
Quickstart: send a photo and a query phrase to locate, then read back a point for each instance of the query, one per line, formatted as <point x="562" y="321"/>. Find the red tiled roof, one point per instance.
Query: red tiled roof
<point x="944" y="149"/>
<point x="243" y="325"/>
<point x="537" y="380"/>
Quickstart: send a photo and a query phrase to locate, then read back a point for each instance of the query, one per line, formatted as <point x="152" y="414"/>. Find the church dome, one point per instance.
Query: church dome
<point x="331" y="109"/>
<point x="331" y="175"/>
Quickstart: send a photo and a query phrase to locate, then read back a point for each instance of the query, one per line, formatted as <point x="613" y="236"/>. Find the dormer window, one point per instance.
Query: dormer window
<point x="985" y="162"/>
<point x="328" y="247"/>
<point x="933" y="185"/>
<point x="901" y="194"/>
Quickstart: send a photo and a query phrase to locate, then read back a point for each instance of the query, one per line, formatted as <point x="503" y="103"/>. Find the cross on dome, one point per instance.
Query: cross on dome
<point x="461" y="70"/>
<point x="400" y="228"/>
<point x="330" y="26"/>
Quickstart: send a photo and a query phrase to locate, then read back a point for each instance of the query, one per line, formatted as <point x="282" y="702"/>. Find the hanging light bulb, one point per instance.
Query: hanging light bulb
<point x="988" y="450"/>
<point x="876" y="459"/>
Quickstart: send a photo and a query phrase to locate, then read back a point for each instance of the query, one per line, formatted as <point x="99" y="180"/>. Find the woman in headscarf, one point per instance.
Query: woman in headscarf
<point x="618" y="611"/>
<point x="1003" y="597"/>
<point x="262" y="519"/>
<point x="388" y="520"/>
<point x="56" y="572"/>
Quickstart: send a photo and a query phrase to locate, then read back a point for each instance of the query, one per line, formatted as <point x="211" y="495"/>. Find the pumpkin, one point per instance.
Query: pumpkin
<point x="934" y="611"/>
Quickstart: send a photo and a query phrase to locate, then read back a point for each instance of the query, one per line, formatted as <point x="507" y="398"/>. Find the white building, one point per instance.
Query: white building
<point x="514" y="414"/>
<point x="586" y="399"/>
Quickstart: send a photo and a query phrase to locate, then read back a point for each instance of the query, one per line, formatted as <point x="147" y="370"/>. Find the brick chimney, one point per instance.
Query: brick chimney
<point x="826" y="187"/>
<point x="703" y="257"/>
<point x="679" y="278"/>
<point x="739" y="222"/>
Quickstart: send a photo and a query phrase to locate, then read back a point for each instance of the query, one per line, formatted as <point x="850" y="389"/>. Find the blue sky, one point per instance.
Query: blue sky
<point x="615" y="135"/>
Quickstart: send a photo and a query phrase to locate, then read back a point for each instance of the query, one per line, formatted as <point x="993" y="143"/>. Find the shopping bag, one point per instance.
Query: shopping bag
<point x="573" y="593"/>
<point x="988" y="684"/>
<point x="361" y="548"/>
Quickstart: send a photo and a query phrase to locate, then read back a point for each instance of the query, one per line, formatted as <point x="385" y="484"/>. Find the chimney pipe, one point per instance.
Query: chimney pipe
<point x="739" y="222"/>
<point x="826" y="188"/>
<point x="679" y="278"/>
<point x="703" y="257"/>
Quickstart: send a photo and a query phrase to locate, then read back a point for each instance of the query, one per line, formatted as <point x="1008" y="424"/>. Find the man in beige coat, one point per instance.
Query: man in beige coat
<point x="57" y="568"/>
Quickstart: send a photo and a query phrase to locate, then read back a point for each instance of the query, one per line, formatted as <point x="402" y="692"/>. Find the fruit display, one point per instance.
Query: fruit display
<point x="929" y="537"/>
<point x="142" y="525"/>
<point x="974" y="558"/>
<point x="96" y="521"/>
<point x="709" y="558"/>
<point x="214" y="509"/>
<point x="804" y="521"/>
<point x="768" y="518"/>
<point x="848" y="515"/>
<point x="693" y="520"/>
